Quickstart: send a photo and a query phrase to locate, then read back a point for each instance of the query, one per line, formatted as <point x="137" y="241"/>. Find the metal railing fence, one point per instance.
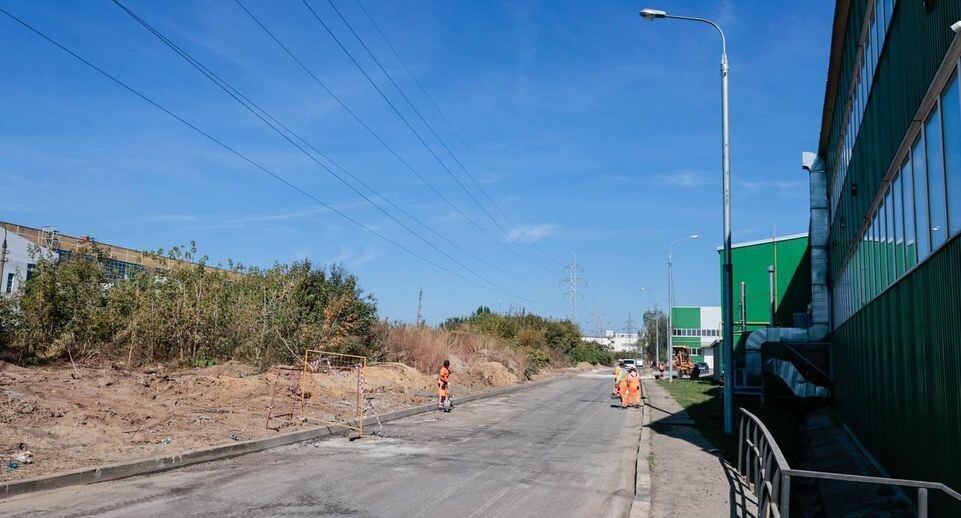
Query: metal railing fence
<point x="767" y="472"/>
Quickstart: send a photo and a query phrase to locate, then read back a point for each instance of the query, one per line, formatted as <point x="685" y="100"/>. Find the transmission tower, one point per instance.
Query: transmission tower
<point x="420" y="307"/>
<point x="598" y="320"/>
<point x="572" y="281"/>
<point x="629" y="325"/>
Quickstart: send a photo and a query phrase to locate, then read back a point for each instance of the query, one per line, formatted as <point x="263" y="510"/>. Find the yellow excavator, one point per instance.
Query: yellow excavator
<point x="682" y="361"/>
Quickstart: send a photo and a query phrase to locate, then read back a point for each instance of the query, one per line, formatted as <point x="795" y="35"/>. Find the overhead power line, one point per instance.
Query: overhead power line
<point x="237" y="153"/>
<point x="367" y="127"/>
<point x="453" y="129"/>
<point x="411" y="128"/>
<point x="273" y="123"/>
<point x="440" y="140"/>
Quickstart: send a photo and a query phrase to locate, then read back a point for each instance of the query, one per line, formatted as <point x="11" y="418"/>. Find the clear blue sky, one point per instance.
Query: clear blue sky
<point x="596" y="132"/>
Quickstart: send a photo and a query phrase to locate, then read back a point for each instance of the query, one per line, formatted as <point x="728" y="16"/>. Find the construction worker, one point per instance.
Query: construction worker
<point x="634" y="389"/>
<point x="443" y="388"/>
<point x="618" y="376"/>
<point x="622" y="389"/>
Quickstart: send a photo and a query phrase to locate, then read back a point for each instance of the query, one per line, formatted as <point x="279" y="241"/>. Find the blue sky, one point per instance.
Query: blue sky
<point x="597" y="134"/>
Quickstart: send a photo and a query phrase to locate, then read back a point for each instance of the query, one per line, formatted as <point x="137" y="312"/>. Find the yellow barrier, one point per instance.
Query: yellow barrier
<point x="347" y="377"/>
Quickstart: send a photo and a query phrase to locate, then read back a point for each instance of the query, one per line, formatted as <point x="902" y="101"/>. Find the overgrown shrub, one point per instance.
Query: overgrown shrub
<point x="540" y="338"/>
<point x="190" y="314"/>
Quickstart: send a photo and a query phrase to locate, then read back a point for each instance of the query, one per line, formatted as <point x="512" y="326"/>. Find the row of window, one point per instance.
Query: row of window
<point x="115" y="270"/>
<point x="877" y="22"/>
<point x="696" y="332"/>
<point x="920" y="210"/>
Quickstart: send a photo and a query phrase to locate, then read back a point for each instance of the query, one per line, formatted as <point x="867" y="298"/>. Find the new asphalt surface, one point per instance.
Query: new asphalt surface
<point x="559" y="449"/>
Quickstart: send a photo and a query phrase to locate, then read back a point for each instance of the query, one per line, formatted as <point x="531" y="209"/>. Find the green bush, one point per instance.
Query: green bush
<point x="540" y="337"/>
<point x="192" y="314"/>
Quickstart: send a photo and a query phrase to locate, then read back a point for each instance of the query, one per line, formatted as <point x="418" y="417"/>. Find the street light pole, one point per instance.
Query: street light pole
<point x="670" y="306"/>
<point x="727" y="290"/>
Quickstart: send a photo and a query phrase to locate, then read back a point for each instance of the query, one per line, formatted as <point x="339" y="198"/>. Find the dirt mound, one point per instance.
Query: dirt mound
<point x="493" y="374"/>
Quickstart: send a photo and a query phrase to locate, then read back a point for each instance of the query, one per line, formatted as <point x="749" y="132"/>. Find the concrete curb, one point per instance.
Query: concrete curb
<point x="641" y="506"/>
<point x="224" y="451"/>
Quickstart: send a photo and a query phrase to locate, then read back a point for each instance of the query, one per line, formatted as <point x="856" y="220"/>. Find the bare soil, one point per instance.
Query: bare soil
<point x="71" y="418"/>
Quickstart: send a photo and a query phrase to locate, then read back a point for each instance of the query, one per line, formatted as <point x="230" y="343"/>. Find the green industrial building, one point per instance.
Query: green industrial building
<point x="698" y="328"/>
<point x="880" y="335"/>
<point x="891" y="148"/>
<point x="768" y="274"/>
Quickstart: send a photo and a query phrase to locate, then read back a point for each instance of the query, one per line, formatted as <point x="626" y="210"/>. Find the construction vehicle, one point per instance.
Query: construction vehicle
<point x="682" y="361"/>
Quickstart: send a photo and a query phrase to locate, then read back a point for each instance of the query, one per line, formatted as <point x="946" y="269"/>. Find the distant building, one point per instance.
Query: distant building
<point x="616" y="342"/>
<point x="698" y="328"/>
<point x="23" y="243"/>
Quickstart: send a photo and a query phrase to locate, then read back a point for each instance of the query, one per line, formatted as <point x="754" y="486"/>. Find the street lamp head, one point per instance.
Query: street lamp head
<point x="694" y="236"/>
<point x="653" y="14"/>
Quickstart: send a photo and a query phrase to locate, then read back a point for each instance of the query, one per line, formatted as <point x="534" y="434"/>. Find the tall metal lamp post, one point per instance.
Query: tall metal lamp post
<point x="657" y="330"/>
<point x="670" y="305"/>
<point x="727" y="295"/>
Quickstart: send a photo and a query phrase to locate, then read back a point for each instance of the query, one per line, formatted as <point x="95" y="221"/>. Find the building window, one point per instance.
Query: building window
<point x="936" y="193"/>
<point x="898" y="206"/>
<point x="951" y="118"/>
<point x="907" y="184"/>
<point x="10" y="277"/>
<point x="923" y="229"/>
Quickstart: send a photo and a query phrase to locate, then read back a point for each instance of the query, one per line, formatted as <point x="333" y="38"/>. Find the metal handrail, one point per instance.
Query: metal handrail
<point x="764" y="468"/>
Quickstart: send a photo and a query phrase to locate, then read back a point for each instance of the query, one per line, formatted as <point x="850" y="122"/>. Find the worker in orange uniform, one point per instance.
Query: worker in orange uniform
<point x="443" y="388"/>
<point x="622" y="388"/>
<point x="634" y="389"/>
<point x="618" y="376"/>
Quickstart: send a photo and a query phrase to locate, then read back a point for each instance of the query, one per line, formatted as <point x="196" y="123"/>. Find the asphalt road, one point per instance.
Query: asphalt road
<point x="554" y="450"/>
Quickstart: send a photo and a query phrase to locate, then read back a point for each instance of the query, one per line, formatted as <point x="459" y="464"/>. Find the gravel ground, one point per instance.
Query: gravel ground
<point x="689" y="476"/>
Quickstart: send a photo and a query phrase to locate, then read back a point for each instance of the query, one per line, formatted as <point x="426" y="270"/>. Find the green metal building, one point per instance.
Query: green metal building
<point x="790" y="259"/>
<point x="890" y="146"/>
<point x="697" y="328"/>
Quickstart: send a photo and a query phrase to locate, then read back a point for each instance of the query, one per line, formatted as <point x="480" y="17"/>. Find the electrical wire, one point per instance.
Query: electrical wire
<point x="367" y="127"/>
<point x="416" y="134"/>
<point x="273" y="123"/>
<point x="237" y="153"/>
<point x="453" y="129"/>
<point x="433" y="132"/>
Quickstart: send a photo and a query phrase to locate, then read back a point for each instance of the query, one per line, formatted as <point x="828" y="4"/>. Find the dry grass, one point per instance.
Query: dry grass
<point x="425" y="348"/>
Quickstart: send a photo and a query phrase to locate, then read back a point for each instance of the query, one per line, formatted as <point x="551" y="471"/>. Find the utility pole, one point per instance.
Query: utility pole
<point x="3" y="256"/>
<point x="420" y="307"/>
<point x="572" y="291"/>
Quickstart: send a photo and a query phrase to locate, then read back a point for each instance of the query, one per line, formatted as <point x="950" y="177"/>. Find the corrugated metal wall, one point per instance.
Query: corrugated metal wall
<point x="897" y="364"/>
<point x="793" y="284"/>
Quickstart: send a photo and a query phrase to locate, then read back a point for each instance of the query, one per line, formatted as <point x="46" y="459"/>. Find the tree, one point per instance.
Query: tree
<point x="655" y="326"/>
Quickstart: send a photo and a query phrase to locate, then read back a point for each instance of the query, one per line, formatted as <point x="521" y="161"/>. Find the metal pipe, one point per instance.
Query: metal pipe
<point x="770" y="282"/>
<point x="922" y="503"/>
<point x="743" y="306"/>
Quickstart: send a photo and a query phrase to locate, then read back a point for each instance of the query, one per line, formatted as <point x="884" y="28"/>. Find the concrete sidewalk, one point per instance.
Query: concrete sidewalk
<point x="689" y="477"/>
